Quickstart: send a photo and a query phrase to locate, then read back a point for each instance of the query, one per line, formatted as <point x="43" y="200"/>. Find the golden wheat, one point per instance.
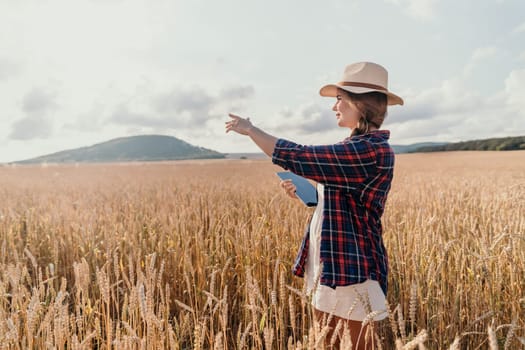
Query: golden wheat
<point x="197" y="254"/>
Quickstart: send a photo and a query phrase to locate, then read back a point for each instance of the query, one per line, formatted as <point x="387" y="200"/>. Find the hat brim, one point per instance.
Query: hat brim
<point x="330" y="90"/>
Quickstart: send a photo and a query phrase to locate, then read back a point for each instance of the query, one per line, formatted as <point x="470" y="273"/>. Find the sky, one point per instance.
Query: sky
<point x="75" y="73"/>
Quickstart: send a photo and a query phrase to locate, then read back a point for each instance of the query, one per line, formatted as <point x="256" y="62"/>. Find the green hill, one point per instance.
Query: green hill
<point x="494" y="144"/>
<point x="413" y="147"/>
<point x="128" y="149"/>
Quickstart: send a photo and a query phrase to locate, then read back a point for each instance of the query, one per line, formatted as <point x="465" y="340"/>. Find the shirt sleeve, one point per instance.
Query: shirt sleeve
<point x="343" y="164"/>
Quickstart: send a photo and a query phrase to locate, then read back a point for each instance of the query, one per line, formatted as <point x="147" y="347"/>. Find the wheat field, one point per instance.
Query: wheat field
<point x="197" y="255"/>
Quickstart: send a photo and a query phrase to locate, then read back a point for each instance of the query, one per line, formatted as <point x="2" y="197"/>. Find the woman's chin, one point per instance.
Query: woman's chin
<point x="341" y="124"/>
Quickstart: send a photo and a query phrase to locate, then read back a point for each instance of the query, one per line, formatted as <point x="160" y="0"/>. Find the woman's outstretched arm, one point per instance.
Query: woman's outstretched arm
<point x="263" y="140"/>
<point x="266" y="142"/>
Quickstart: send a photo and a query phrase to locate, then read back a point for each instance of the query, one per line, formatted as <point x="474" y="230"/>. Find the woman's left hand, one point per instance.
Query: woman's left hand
<point x="239" y="125"/>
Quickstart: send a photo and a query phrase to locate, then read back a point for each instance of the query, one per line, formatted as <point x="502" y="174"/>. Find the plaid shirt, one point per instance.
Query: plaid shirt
<point x="356" y="174"/>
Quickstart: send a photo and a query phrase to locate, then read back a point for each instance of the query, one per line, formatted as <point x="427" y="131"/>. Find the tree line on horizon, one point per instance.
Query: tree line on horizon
<point x="493" y="144"/>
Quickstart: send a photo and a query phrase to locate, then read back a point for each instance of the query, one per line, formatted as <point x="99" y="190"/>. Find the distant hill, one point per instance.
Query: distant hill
<point x="494" y="144"/>
<point x="415" y="146"/>
<point x="126" y="149"/>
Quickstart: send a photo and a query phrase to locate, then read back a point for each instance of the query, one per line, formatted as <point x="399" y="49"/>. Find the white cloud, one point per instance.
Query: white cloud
<point x="36" y="105"/>
<point x="419" y="9"/>
<point x="237" y="92"/>
<point x="8" y="68"/>
<point x="124" y="116"/>
<point x="306" y="119"/>
<point x="451" y="96"/>
<point x="519" y="29"/>
<point x="195" y="103"/>
<point x="455" y="112"/>
<point x="181" y="108"/>
<point x="89" y="121"/>
<point x="483" y="53"/>
<point x="515" y="93"/>
<point x="479" y="57"/>
<point x="32" y="127"/>
<point x="39" y="101"/>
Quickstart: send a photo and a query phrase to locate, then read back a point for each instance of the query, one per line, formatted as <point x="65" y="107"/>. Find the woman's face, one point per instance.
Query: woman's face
<point x="346" y="112"/>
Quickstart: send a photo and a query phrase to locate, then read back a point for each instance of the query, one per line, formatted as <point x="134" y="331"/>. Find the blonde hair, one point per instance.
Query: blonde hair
<point x="373" y="109"/>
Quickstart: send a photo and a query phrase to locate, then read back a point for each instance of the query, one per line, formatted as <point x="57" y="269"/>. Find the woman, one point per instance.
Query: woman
<point x="342" y="254"/>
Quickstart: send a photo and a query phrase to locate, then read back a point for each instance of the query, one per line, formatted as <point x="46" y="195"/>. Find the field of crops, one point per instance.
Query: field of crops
<point x="197" y="255"/>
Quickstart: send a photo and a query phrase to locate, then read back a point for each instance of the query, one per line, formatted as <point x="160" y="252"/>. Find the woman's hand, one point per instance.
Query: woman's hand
<point x="239" y="125"/>
<point x="263" y="140"/>
<point x="289" y="188"/>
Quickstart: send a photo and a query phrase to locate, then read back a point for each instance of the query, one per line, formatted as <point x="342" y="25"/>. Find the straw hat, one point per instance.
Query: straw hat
<point x="363" y="77"/>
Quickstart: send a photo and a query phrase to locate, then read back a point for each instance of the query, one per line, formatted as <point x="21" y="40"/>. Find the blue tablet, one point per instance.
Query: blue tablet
<point x="304" y="189"/>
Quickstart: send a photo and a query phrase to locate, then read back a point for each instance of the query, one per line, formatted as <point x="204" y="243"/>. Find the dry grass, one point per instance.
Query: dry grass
<point x="197" y="255"/>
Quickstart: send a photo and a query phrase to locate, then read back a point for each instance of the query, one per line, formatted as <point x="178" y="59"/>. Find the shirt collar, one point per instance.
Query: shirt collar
<point x="383" y="134"/>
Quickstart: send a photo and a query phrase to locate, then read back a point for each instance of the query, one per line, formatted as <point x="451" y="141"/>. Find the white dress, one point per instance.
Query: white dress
<point x="352" y="302"/>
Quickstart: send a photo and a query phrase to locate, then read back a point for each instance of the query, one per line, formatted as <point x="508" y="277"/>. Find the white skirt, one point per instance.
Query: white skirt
<point x="354" y="302"/>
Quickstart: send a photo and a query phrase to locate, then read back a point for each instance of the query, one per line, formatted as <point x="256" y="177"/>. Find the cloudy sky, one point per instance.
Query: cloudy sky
<point x="77" y="72"/>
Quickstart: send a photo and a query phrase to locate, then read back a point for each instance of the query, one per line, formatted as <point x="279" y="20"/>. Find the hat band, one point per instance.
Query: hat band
<point x="365" y="85"/>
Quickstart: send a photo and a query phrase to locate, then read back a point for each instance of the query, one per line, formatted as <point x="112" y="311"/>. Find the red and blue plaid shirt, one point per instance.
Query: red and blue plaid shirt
<point x="356" y="174"/>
